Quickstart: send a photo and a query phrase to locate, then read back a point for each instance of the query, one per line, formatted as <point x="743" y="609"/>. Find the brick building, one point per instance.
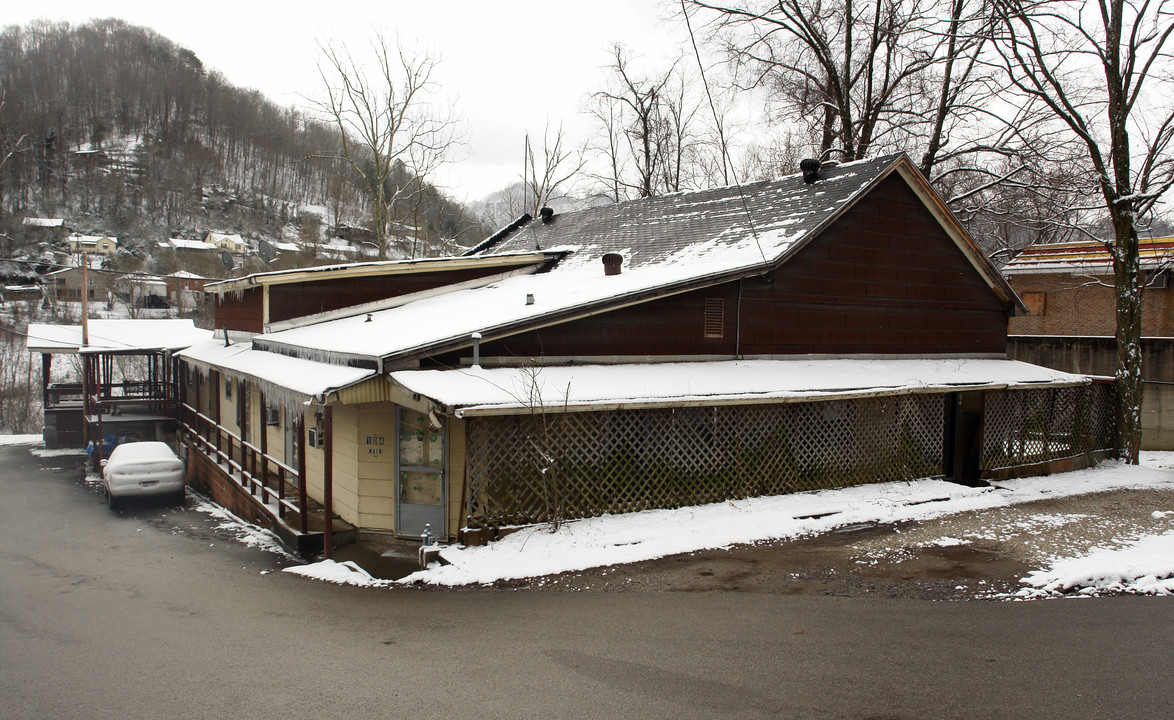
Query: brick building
<point x="1071" y="320"/>
<point x="1068" y="289"/>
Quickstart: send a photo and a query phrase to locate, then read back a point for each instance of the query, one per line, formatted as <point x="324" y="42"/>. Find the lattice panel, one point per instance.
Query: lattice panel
<point x="1022" y="427"/>
<point x="526" y="469"/>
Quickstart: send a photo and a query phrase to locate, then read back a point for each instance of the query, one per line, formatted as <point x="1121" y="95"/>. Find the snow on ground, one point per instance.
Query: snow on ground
<point x="246" y="533"/>
<point x="1142" y="565"/>
<point x="633" y="537"/>
<point x="56" y="452"/>
<point x="340" y="573"/>
<point x="20" y="439"/>
<point x="1132" y="563"/>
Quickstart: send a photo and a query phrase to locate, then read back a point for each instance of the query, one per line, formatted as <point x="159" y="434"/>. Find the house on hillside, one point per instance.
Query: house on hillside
<point x="185" y="290"/>
<point x="227" y="242"/>
<point x="1071" y="322"/>
<point x="691" y="348"/>
<point x="145" y="291"/>
<point x="45" y="229"/>
<point x="92" y="244"/>
<point x="189" y="246"/>
<point x="66" y="284"/>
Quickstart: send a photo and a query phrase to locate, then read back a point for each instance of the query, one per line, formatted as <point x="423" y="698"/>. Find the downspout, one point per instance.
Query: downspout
<point x="328" y="481"/>
<point x="738" y="324"/>
<point x="303" y="519"/>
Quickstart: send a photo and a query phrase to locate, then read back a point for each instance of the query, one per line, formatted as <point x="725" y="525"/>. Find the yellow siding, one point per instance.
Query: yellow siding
<point x="314" y="459"/>
<point x="374" y="390"/>
<point x="346" y="463"/>
<point x="228" y="405"/>
<point x="375" y="441"/>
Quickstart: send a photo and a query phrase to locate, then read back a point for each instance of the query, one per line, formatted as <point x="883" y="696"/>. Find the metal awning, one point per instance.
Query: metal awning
<point x="588" y="388"/>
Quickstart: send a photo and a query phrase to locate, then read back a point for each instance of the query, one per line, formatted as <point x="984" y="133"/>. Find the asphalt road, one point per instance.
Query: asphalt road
<point x="153" y="613"/>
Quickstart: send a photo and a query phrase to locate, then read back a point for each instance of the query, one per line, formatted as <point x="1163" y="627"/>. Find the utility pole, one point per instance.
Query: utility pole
<point x="85" y="299"/>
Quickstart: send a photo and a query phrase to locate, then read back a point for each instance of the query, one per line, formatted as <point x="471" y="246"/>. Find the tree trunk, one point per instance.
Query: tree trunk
<point x="1126" y="270"/>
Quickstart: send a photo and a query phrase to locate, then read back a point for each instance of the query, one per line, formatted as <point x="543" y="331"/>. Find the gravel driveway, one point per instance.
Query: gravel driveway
<point x="971" y="555"/>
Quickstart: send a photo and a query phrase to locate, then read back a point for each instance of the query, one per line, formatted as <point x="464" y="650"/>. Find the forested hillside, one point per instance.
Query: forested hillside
<point x="122" y="132"/>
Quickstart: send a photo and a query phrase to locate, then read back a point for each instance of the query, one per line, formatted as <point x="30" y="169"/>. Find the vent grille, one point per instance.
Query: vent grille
<point x="715" y="311"/>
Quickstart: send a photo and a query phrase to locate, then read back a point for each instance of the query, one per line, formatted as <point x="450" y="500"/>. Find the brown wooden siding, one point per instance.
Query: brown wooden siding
<point x="240" y="312"/>
<point x="295" y="300"/>
<point x="884" y="279"/>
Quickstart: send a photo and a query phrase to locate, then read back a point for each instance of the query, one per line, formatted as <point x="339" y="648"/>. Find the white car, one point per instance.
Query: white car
<point x="136" y="469"/>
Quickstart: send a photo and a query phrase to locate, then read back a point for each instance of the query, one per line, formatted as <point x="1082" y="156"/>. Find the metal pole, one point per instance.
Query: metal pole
<point x="328" y="482"/>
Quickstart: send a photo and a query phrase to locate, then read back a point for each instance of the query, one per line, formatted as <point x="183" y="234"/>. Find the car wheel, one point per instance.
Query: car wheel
<point x="112" y="501"/>
<point x="179" y="498"/>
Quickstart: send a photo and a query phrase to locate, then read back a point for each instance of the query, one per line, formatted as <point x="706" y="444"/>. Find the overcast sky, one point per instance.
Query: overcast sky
<point x="508" y="65"/>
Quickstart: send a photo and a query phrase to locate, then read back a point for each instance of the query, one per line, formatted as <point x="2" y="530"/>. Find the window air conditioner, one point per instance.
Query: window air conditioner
<point x="315" y="438"/>
<point x="272" y="416"/>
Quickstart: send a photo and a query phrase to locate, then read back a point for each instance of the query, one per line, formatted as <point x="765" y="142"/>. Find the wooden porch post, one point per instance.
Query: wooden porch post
<point x="328" y="482"/>
<point x="46" y="374"/>
<point x="263" y="426"/>
<point x="301" y="443"/>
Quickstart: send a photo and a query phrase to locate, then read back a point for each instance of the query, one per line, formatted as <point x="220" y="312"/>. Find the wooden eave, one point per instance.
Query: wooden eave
<point x="358" y="270"/>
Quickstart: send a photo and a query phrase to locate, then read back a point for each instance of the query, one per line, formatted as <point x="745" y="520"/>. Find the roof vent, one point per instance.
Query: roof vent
<point x="810" y="168"/>
<point x="611" y="263"/>
<point x="547" y="215"/>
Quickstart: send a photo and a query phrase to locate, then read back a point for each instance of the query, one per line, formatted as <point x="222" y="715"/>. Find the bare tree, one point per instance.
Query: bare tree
<point x="864" y="76"/>
<point x="388" y="122"/>
<point x="1104" y="69"/>
<point x="546" y="173"/>
<point x="648" y="130"/>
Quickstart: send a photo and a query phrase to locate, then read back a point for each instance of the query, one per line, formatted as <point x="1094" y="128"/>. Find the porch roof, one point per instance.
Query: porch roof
<point x="294" y="379"/>
<point x="116" y="336"/>
<point x="585" y="388"/>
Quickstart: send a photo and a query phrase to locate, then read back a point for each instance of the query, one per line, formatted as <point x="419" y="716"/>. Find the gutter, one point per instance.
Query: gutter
<point x="724" y="401"/>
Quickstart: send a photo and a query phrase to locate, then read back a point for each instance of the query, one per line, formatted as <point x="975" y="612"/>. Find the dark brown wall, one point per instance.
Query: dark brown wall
<point x="315" y="296"/>
<point x="884" y="279"/>
<point x="241" y="312"/>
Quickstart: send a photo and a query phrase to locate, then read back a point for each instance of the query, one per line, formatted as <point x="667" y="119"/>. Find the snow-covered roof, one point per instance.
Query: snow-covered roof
<point x="185" y="275"/>
<point x="278" y="375"/>
<point x="1088" y="257"/>
<point x="673" y="243"/>
<point x="181" y="244"/>
<point x="215" y="237"/>
<point x="108" y="335"/>
<point x="43" y="222"/>
<point x="80" y="239"/>
<point x="492" y="391"/>
<point x="379" y="267"/>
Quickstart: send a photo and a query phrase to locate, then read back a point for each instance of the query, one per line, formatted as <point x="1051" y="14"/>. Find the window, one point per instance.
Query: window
<point x="714" y="322"/>
<point x="1036" y="302"/>
<point x="228" y="387"/>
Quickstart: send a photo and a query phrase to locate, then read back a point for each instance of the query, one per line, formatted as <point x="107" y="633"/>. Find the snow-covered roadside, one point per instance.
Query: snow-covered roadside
<point x="1141" y="565"/>
<point x="245" y="533"/>
<point x="609" y="540"/>
<point x="1132" y="563"/>
<point x="20" y="439"/>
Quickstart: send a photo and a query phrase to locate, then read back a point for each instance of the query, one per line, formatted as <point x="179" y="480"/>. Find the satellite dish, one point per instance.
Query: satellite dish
<point x="226" y="258"/>
<point x="266" y="251"/>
